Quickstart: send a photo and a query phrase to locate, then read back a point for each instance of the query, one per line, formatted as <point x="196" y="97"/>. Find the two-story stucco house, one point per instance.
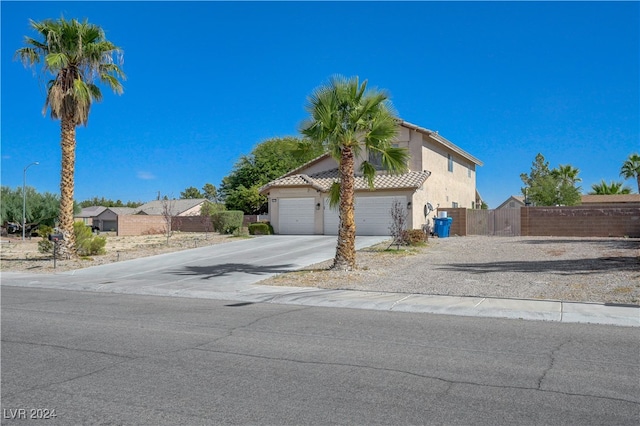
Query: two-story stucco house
<point x="440" y="174"/>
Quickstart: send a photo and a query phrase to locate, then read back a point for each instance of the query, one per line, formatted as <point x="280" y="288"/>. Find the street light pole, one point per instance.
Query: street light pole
<point x="24" y="196"/>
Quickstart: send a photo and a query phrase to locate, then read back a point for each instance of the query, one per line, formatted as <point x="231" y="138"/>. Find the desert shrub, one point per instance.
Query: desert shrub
<point x="227" y="222"/>
<point x="45" y="246"/>
<point x="86" y="242"/>
<point x="260" y="228"/>
<point x="398" y="224"/>
<point x="414" y="236"/>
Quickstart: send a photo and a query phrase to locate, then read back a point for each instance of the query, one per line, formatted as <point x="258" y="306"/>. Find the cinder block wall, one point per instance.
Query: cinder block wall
<point x="140" y="225"/>
<point x="581" y="221"/>
<point x="459" y="223"/>
<point x="191" y="224"/>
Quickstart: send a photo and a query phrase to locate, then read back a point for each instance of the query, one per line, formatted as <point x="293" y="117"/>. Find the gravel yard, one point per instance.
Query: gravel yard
<point x="604" y="270"/>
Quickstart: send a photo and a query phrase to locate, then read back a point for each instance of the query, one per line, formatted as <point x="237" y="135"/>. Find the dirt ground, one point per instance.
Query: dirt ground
<point x="601" y="270"/>
<point x="23" y="256"/>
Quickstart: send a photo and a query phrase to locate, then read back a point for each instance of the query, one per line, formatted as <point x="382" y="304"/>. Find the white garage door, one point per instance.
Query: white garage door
<point x="373" y="215"/>
<point x="296" y="216"/>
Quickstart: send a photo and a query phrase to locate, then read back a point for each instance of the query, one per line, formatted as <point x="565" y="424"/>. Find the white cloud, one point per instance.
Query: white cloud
<point x="146" y="176"/>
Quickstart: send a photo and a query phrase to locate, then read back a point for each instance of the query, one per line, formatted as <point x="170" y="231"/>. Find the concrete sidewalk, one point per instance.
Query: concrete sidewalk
<point x="540" y="310"/>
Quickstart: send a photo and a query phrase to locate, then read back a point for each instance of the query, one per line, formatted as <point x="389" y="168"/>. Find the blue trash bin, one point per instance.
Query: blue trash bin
<point x="441" y="227"/>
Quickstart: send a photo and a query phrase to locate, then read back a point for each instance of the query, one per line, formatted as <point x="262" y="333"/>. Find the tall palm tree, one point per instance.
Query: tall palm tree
<point x="347" y="119"/>
<point x="631" y="169"/>
<point x="613" y="188"/>
<point x="76" y="54"/>
<point x="566" y="175"/>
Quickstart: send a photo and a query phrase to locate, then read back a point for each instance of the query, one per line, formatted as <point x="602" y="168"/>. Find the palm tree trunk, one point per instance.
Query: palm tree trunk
<point x="68" y="142"/>
<point x="346" y="249"/>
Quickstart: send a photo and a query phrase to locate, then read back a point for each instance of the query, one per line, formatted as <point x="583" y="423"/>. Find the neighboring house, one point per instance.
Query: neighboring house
<point x="182" y="207"/>
<point x="440" y="174"/>
<point x="87" y="214"/>
<point x="621" y="199"/>
<point x="513" y="202"/>
<point x="107" y="220"/>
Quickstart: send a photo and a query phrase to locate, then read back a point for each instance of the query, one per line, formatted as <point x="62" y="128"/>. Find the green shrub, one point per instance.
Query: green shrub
<point x="414" y="236"/>
<point x="45" y="246"/>
<point x="260" y="228"/>
<point x="86" y="242"/>
<point x="227" y="222"/>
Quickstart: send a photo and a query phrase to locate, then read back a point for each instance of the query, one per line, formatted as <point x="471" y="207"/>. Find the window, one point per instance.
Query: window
<point x="375" y="158"/>
<point x="454" y="205"/>
<point x="469" y="172"/>
<point x="450" y="165"/>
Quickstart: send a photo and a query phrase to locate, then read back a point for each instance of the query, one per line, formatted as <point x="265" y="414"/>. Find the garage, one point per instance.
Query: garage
<point x="296" y="216"/>
<point x="373" y="215"/>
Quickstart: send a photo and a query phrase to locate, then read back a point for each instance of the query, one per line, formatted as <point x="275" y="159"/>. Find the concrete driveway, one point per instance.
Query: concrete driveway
<point x="228" y="268"/>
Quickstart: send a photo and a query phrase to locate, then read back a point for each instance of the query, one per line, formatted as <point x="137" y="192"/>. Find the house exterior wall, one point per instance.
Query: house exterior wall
<point x="194" y="211"/>
<point x="444" y="188"/>
<point x="325" y="164"/>
<point x="419" y="200"/>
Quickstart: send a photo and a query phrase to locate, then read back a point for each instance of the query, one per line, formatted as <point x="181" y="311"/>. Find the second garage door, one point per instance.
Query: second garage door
<point x="296" y="216"/>
<point x="373" y="215"/>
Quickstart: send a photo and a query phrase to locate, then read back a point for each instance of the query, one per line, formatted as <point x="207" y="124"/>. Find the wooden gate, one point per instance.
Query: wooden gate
<point x="503" y="222"/>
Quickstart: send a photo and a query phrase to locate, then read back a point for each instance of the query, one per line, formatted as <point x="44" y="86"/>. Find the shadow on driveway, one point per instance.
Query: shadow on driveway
<point x="561" y="267"/>
<point x="207" y="272"/>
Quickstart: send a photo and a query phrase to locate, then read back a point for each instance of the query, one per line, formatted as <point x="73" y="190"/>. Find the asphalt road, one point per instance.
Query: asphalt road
<point x="106" y="358"/>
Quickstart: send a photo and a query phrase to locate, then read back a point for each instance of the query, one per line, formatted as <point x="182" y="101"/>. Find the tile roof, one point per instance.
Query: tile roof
<point x="322" y="181"/>
<point x="177" y="206"/>
<point x="91" y="211"/>
<point x="122" y="210"/>
<point x="615" y="198"/>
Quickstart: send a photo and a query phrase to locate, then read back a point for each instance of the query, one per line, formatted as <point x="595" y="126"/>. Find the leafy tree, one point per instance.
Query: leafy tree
<point x="546" y="187"/>
<point x="45" y="209"/>
<point x="75" y="54"/>
<point x="248" y="200"/>
<point x="11" y="205"/>
<point x="95" y="201"/>
<point x="631" y="168"/>
<point x="191" y="193"/>
<point x="347" y="119"/>
<point x="209" y="208"/>
<point x="268" y="161"/>
<point x="42" y="209"/>
<point x="210" y="192"/>
<point x="613" y="188"/>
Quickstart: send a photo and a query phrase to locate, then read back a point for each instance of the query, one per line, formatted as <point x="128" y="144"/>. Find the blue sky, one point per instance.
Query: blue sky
<point x="207" y="81"/>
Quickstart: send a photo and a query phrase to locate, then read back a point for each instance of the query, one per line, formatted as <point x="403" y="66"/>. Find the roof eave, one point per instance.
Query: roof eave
<point x="442" y="140"/>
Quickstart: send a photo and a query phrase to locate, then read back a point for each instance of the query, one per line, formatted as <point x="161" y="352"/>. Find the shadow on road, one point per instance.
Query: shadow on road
<point x="561" y="267"/>
<point x="225" y="269"/>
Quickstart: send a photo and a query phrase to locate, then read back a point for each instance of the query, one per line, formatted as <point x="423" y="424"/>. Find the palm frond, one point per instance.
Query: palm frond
<point x="334" y="195"/>
<point x="369" y="172"/>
